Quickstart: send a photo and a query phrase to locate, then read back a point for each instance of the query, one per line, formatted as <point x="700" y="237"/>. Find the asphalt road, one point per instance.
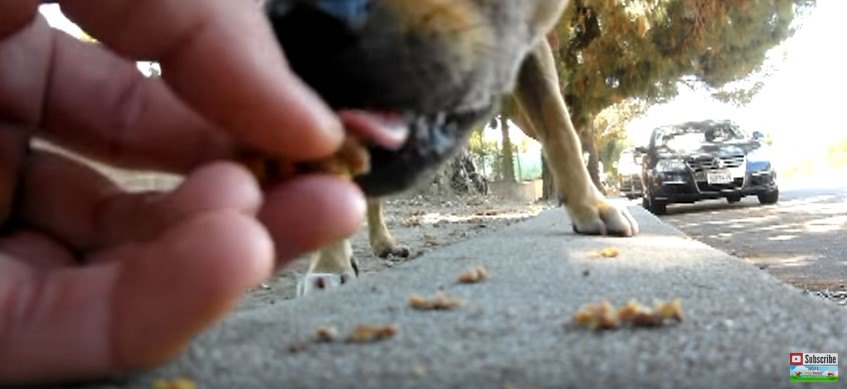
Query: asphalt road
<point x="800" y="240"/>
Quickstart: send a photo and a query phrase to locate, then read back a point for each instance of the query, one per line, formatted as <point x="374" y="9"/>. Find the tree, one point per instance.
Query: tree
<point x="459" y="176"/>
<point x="611" y="50"/>
<point x="611" y="128"/>
<point x="507" y="152"/>
<point x="465" y="172"/>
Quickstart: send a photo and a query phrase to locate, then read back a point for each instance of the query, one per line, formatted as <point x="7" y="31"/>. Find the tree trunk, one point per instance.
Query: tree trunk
<point x="590" y="146"/>
<point x="508" y="161"/>
<point x="548" y="188"/>
<point x="584" y="125"/>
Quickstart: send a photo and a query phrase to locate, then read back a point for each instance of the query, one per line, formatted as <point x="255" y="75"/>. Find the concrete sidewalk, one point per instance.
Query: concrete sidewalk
<point x="515" y="329"/>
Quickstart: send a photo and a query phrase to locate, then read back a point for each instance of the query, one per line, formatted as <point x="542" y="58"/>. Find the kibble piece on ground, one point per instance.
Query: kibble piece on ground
<point x="438" y="303"/>
<point x="598" y="316"/>
<point x="367" y="333"/>
<point x="604" y="315"/>
<point x="174" y="383"/>
<point x="474" y="275"/>
<point x="326" y="334"/>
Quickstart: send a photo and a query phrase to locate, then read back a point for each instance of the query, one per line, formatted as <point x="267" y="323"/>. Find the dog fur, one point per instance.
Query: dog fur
<point x="541" y="113"/>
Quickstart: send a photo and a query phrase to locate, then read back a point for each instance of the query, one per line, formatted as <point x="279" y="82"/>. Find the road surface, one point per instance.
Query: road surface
<point x="801" y="240"/>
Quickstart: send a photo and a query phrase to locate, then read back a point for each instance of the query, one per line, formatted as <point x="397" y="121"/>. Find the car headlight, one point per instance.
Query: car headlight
<point x="671" y="165"/>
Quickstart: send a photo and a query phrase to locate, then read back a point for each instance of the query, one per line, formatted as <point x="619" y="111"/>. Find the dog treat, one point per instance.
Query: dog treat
<point x="639" y="315"/>
<point x="351" y="160"/>
<point x="438" y="303"/>
<point x="174" y="383"/>
<point x="326" y="334"/>
<point x="603" y="315"/>
<point x="608" y="252"/>
<point x="670" y="309"/>
<point x="598" y="316"/>
<point x="473" y="275"/>
<point x="367" y="333"/>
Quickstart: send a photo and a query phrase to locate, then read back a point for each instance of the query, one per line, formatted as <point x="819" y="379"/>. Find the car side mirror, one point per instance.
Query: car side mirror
<point x="757" y="135"/>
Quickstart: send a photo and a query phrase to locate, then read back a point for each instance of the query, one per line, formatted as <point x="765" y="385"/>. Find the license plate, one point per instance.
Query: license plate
<point x="718" y="176"/>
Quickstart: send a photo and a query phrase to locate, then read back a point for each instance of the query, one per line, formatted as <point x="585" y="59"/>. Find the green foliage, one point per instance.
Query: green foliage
<point x="484" y="152"/>
<point x="738" y="96"/>
<point x="610" y="129"/>
<point x="609" y="153"/>
<point x="487" y="154"/>
<point x="611" y="50"/>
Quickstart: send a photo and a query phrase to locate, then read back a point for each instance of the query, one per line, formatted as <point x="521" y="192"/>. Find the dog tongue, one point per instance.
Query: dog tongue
<point x="386" y="129"/>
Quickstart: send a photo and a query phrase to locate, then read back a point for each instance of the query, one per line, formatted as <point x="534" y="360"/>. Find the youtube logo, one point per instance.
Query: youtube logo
<point x="796" y="359"/>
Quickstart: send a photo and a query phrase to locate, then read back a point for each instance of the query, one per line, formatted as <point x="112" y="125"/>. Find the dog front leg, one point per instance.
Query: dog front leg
<point x="332" y="266"/>
<point x="544" y="109"/>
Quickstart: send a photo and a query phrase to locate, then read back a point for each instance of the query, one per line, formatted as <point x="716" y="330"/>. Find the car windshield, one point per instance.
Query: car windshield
<point x="689" y="137"/>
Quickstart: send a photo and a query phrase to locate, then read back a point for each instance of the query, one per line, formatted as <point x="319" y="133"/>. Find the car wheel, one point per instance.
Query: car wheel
<point x="769" y="197"/>
<point x="733" y="199"/>
<point x="655" y="207"/>
<point x="659" y="208"/>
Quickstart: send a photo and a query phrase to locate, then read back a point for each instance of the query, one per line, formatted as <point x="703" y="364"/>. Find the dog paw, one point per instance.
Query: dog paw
<point x="317" y="281"/>
<point x="607" y="219"/>
<point x="393" y="250"/>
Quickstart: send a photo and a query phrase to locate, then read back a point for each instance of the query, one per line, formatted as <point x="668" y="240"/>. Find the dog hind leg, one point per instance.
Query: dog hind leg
<point x="382" y="243"/>
<point x="545" y="113"/>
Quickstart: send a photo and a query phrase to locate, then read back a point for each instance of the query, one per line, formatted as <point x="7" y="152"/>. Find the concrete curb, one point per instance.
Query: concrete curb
<point x="515" y="329"/>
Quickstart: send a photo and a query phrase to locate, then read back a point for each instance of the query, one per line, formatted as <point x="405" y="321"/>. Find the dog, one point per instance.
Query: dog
<point x="435" y="68"/>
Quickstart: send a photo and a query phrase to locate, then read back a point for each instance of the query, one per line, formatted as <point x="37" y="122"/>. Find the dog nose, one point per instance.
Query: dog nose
<point x="351" y="12"/>
<point x="315" y="18"/>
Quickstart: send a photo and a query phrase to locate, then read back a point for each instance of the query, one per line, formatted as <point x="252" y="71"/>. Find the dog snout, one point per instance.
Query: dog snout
<point x="409" y="56"/>
<point x="441" y="63"/>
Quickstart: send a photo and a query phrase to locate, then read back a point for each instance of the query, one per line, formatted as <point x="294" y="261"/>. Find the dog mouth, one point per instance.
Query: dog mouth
<point x="430" y="139"/>
<point x="383" y="152"/>
<point x="406" y="103"/>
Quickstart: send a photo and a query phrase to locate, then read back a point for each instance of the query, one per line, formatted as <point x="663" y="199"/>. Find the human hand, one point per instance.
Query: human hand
<point x="96" y="280"/>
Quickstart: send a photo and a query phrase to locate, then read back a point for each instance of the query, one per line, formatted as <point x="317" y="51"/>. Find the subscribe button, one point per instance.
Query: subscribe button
<point x="813" y="359"/>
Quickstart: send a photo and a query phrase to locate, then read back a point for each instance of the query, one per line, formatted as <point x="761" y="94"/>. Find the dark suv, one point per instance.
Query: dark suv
<point x="694" y="161"/>
<point x="629" y="173"/>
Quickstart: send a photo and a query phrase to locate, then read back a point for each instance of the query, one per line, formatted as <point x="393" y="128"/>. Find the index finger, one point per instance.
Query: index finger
<point x="221" y="57"/>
